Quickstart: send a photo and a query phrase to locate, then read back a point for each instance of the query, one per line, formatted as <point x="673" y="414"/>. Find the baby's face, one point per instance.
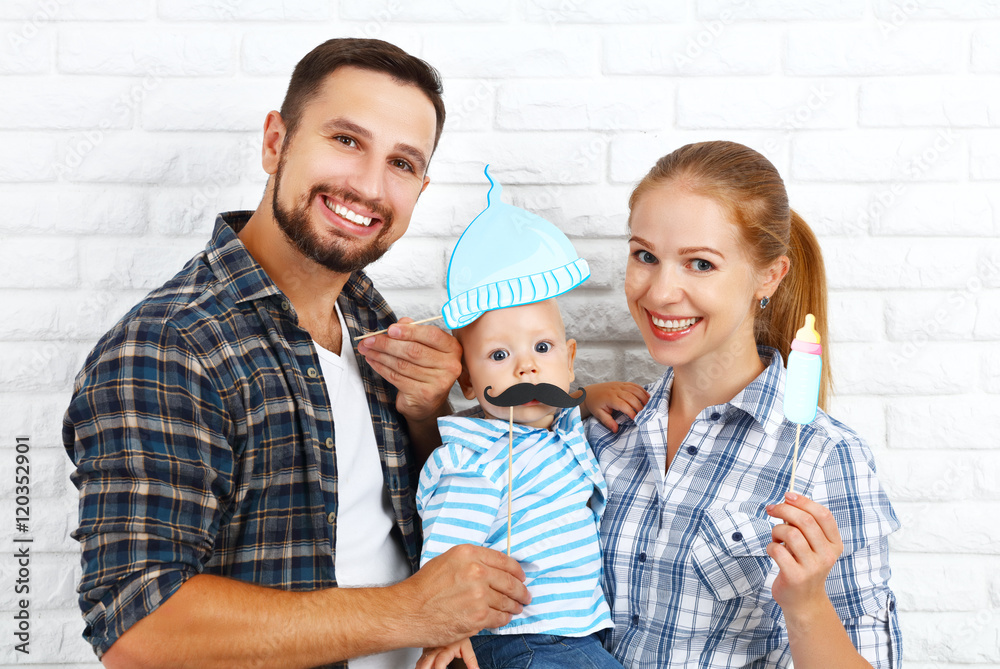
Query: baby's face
<point x="525" y="344"/>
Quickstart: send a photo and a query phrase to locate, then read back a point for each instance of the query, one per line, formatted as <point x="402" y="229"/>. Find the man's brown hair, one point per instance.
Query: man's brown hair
<point x="367" y="54"/>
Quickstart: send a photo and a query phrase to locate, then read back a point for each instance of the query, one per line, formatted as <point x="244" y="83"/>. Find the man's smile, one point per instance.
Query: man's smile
<point x="344" y="212"/>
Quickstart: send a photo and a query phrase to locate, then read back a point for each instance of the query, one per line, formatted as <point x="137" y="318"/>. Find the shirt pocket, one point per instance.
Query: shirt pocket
<point x="730" y="553"/>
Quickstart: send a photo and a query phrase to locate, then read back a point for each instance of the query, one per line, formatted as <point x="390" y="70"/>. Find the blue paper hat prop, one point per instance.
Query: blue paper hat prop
<point x="505" y="258"/>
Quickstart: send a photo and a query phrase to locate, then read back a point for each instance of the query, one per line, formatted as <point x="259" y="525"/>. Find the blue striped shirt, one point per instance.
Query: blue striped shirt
<point x="462" y="499"/>
<point x="688" y="578"/>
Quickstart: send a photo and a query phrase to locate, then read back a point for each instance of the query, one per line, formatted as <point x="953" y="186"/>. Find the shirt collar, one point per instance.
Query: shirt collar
<point x="760" y="399"/>
<point x="659" y="399"/>
<point x="495" y="429"/>
<point x="234" y="266"/>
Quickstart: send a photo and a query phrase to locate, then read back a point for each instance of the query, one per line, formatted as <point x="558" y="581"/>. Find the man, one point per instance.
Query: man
<point x="223" y="435"/>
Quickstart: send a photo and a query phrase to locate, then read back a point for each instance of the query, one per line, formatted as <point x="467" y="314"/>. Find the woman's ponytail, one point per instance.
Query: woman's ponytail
<point x="801" y="292"/>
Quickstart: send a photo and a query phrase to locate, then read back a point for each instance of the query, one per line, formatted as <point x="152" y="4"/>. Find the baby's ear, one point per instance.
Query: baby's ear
<point x="571" y="354"/>
<point x="465" y="383"/>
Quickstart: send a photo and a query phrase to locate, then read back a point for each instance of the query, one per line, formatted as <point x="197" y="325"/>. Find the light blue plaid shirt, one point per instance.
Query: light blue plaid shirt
<point x="686" y="572"/>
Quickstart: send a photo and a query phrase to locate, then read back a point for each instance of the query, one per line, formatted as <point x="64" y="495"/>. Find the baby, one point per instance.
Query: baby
<point x="558" y="490"/>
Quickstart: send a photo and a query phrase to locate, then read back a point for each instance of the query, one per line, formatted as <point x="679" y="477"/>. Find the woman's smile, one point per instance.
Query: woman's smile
<point x="672" y="329"/>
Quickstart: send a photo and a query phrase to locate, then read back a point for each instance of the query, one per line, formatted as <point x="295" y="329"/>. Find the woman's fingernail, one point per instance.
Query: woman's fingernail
<point x="769" y="507"/>
<point x="394" y="331"/>
<point x="791" y="496"/>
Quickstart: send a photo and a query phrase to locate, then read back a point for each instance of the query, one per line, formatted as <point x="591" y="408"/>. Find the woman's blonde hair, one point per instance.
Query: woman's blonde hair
<point x="749" y="188"/>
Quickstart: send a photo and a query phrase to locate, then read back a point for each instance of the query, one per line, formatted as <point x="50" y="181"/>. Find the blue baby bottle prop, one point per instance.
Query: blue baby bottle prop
<point x="805" y="364"/>
<point x="802" y="380"/>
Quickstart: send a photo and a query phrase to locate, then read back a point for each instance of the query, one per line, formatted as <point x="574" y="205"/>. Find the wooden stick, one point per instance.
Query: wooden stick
<point x="372" y="334"/>
<point x="795" y="455"/>
<point x="510" y="474"/>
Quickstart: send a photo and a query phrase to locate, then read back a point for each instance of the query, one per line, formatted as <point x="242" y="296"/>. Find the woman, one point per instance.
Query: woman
<point x="707" y="561"/>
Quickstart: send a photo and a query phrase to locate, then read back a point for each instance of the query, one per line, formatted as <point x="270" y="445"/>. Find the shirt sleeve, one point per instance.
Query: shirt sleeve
<point x="146" y="429"/>
<point x="858" y="584"/>
<point x="457" y="504"/>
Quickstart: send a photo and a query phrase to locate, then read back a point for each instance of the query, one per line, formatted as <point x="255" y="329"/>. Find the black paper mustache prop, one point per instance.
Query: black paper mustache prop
<point x="546" y="393"/>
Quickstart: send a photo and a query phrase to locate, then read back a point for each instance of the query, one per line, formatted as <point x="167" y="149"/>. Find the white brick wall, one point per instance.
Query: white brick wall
<point x="126" y="125"/>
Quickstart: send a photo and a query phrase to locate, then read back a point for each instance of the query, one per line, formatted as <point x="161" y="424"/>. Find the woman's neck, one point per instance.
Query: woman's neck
<point x="714" y="379"/>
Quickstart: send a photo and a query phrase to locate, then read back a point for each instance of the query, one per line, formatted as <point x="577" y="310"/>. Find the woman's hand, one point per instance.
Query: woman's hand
<point x="438" y="658"/>
<point x="603" y="398"/>
<point x="805" y="549"/>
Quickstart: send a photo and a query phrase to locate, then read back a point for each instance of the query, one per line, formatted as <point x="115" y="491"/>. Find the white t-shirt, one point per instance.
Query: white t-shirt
<point x="366" y="554"/>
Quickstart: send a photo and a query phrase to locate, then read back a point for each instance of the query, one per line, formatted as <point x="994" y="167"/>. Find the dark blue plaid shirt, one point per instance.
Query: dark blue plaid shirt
<point x="204" y="442"/>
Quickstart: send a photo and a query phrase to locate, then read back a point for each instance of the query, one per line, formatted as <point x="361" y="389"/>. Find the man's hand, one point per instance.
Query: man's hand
<point x="460" y="592"/>
<point x="422" y="361"/>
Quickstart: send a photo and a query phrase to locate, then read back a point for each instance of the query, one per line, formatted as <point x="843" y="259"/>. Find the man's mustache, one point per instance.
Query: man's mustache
<point x="546" y="393"/>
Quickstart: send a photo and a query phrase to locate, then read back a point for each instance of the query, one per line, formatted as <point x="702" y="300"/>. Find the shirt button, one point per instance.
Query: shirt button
<point x="642" y="557"/>
<point x="331" y="517"/>
<point x="285" y="305"/>
<point x="716" y="416"/>
<point x="635" y="619"/>
<point x="329" y="442"/>
<point x="892" y="606"/>
<point x="312" y="373"/>
<point x="737" y="536"/>
<point x="692" y="450"/>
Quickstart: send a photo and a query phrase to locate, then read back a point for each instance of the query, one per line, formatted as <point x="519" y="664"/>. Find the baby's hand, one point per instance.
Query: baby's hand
<point x="438" y="658"/>
<point x="603" y="398"/>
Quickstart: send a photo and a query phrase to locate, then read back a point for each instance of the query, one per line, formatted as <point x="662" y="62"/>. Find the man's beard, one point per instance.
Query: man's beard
<point x="334" y="256"/>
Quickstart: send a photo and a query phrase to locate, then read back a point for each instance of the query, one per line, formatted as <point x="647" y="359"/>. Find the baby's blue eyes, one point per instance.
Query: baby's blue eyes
<point x="500" y="354"/>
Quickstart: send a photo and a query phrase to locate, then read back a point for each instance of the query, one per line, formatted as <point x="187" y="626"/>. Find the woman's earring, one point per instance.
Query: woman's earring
<point x="764" y="301"/>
